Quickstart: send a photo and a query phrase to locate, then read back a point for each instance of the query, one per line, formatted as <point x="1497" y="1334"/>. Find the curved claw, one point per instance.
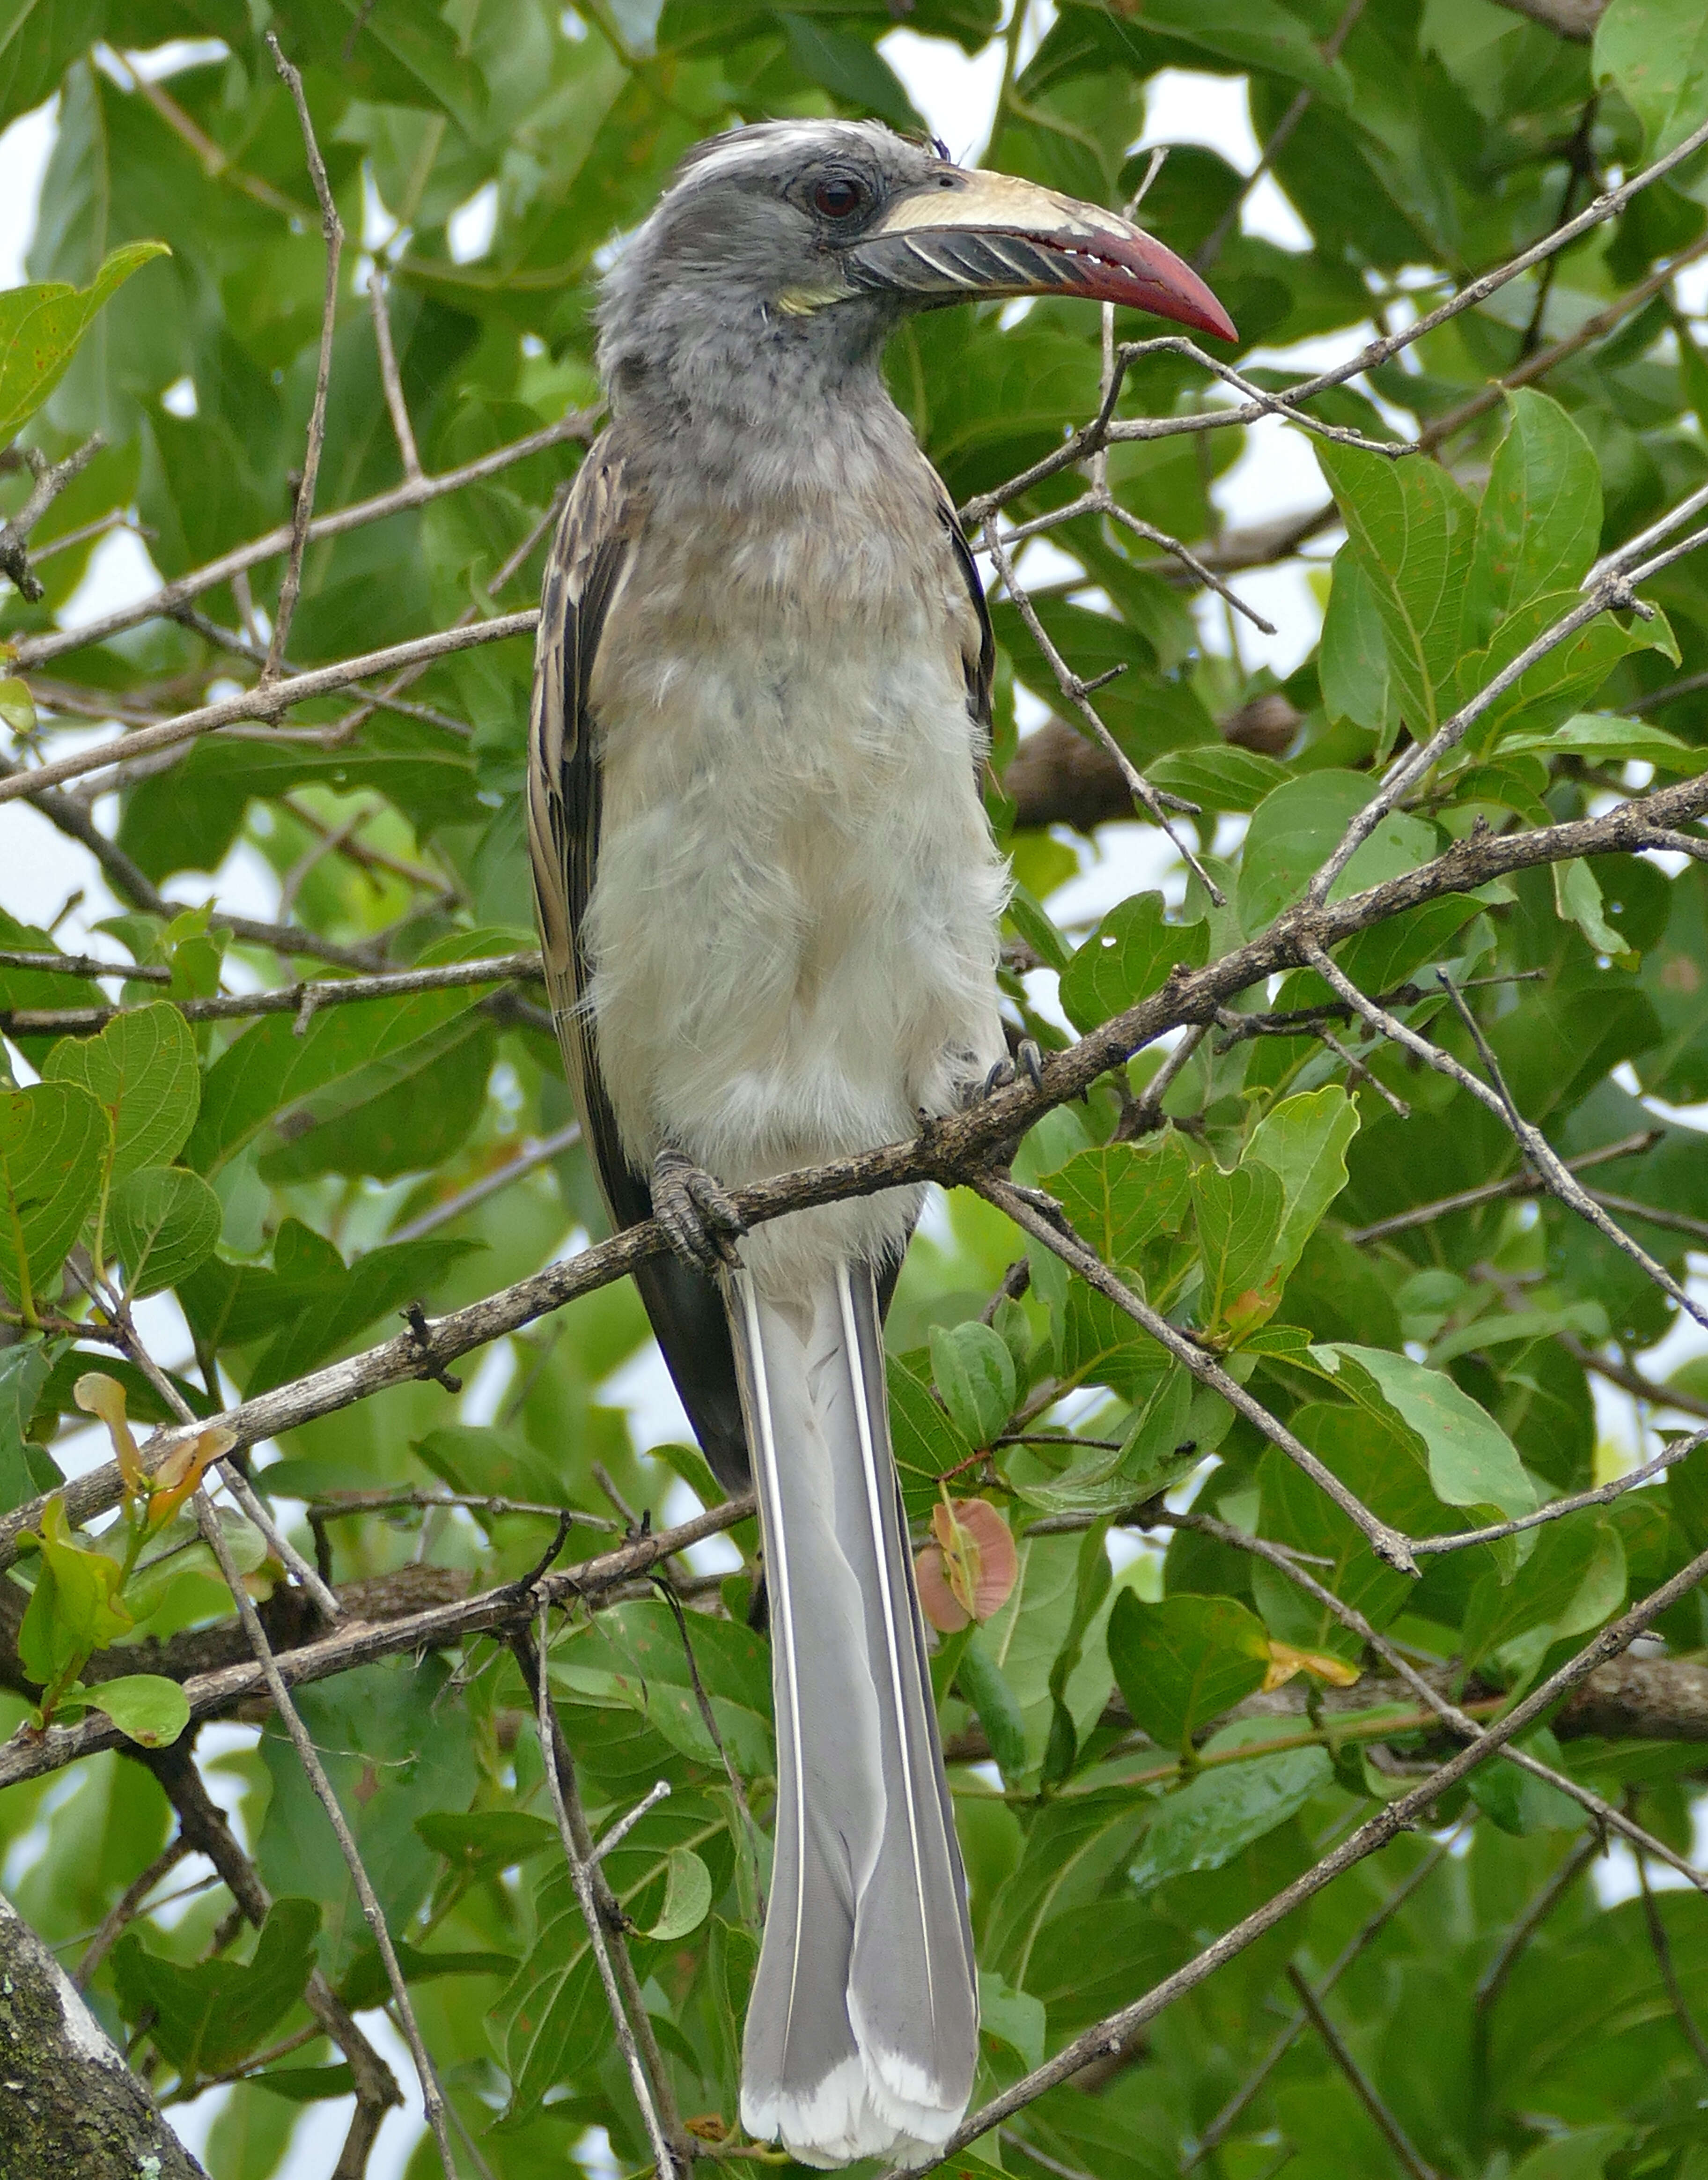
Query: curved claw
<point x="701" y="1222"/>
<point x="1031" y="1061"/>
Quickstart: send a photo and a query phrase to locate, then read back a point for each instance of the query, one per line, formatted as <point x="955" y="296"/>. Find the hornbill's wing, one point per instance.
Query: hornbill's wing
<point x="586" y="568"/>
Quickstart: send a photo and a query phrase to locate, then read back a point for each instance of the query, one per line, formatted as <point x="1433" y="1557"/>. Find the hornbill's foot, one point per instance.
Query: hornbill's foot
<point x="1026" y="1059"/>
<point x="700" y="1222"/>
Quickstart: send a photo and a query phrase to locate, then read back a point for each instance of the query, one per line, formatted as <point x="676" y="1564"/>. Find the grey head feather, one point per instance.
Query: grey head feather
<point x="718" y="300"/>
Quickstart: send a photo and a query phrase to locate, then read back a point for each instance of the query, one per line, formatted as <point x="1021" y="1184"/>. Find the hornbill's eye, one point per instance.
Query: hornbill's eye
<point x="839" y="199"/>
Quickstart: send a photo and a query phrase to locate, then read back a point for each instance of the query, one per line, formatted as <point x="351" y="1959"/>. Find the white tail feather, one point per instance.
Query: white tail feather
<point x="862" y="2029"/>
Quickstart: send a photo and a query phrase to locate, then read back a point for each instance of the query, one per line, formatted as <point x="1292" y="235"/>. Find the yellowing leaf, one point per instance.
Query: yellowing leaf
<point x="41" y="327"/>
<point x="1284" y="1662"/>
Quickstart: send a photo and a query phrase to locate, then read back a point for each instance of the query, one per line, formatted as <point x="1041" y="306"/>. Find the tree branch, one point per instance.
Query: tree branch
<point x="266" y="701"/>
<point x="956" y="1149"/>
<point x="304" y="999"/>
<point x="72" y="2104"/>
<point x="577" y="426"/>
<point x="332" y="229"/>
<point x="51" y="480"/>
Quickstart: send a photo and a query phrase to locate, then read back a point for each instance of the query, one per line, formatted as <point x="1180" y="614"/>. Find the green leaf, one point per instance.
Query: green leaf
<point x="974" y="1373"/>
<point x="270" y="1067"/>
<point x="1160" y="1448"/>
<point x="1519" y="1802"/>
<point x="1126" y="958"/>
<point x="1472" y="1463"/>
<point x="24" y="1371"/>
<point x="142" y="1071"/>
<point x="480" y="1844"/>
<point x="75" y="1607"/>
<point x="1540" y="518"/>
<point x="926" y="1441"/>
<point x="1221" y="1813"/>
<point x="551" y="2018"/>
<point x="1571" y="1582"/>
<point x="1257" y="34"/>
<point x="1015" y="2016"/>
<point x="147" y="1709"/>
<point x="1569" y="675"/>
<point x="1578" y="899"/>
<point x="483" y="1462"/>
<point x="1599" y="738"/>
<point x="209" y="2018"/>
<point x="1120" y="1194"/>
<point x="1656" y="52"/>
<point x="1239" y="1215"/>
<point x="1224" y="778"/>
<point x="364" y="1983"/>
<point x="1184" y="1662"/>
<point x="1353" y="663"/>
<point x="1295" y="830"/>
<point x="849" y="70"/>
<point x="16" y="707"/>
<point x="1303" y="1140"/>
<point x="687" y="1896"/>
<point x="54" y="1141"/>
<point x="634" y="1654"/>
<point x="982" y="1683"/>
<point x="161" y="1222"/>
<point x="1410" y="525"/>
<point x="1029" y="919"/>
<point x="306" y="2085"/>
<point x="40" y="328"/>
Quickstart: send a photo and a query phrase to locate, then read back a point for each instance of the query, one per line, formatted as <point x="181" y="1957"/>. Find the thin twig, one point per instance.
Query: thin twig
<point x="1493" y="1192"/>
<point x="51" y="480"/>
<point x="1081" y="444"/>
<point x="390" y="377"/>
<point x="117" y="1309"/>
<point x="1362" y="2087"/>
<point x="1155" y="803"/>
<point x="652" y="2096"/>
<point x="477" y="1192"/>
<point x="86" y="965"/>
<point x="270" y="701"/>
<point x="128" y="1908"/>
<point x="1230" y="2114"/>
<point x="332" y="229"/>
<point x="616" y="1575"/>
<point x="1448" y="1712"/>
<point x="1276" y="141"/>
<point x="1631" y="1381"/>
<point x="204" y="1823"/>
<point x="432" y="2097"/>
<point x="1663" y="1950"/>
<point x="578" y="425"/>
<point x="1556" y="1175"/>
<point x="1602" y="1496"/>
<point x="614" y="1834"/>
<point x="1052" y="1229"/>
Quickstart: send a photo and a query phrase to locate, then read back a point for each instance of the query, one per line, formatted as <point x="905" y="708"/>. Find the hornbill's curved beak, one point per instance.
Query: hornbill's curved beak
<point x="966" y="233"/>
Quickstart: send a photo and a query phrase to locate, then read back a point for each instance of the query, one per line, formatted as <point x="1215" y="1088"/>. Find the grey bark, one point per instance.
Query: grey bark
<point x="70" y="2106"/>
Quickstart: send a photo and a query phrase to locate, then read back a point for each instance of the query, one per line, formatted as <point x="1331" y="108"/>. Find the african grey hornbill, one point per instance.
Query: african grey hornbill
<point x="769" y="901"/>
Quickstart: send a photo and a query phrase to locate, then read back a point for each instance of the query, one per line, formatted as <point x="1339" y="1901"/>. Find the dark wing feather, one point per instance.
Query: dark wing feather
<point x="982" y="671"/>
<point x="589" y="561"/>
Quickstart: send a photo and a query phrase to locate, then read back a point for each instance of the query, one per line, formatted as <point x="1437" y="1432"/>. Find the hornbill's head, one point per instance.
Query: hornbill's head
<point x="839" y="228"/>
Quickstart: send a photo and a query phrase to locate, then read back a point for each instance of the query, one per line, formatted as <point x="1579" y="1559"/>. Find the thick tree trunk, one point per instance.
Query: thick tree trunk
<point x="70" y="2106"/>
